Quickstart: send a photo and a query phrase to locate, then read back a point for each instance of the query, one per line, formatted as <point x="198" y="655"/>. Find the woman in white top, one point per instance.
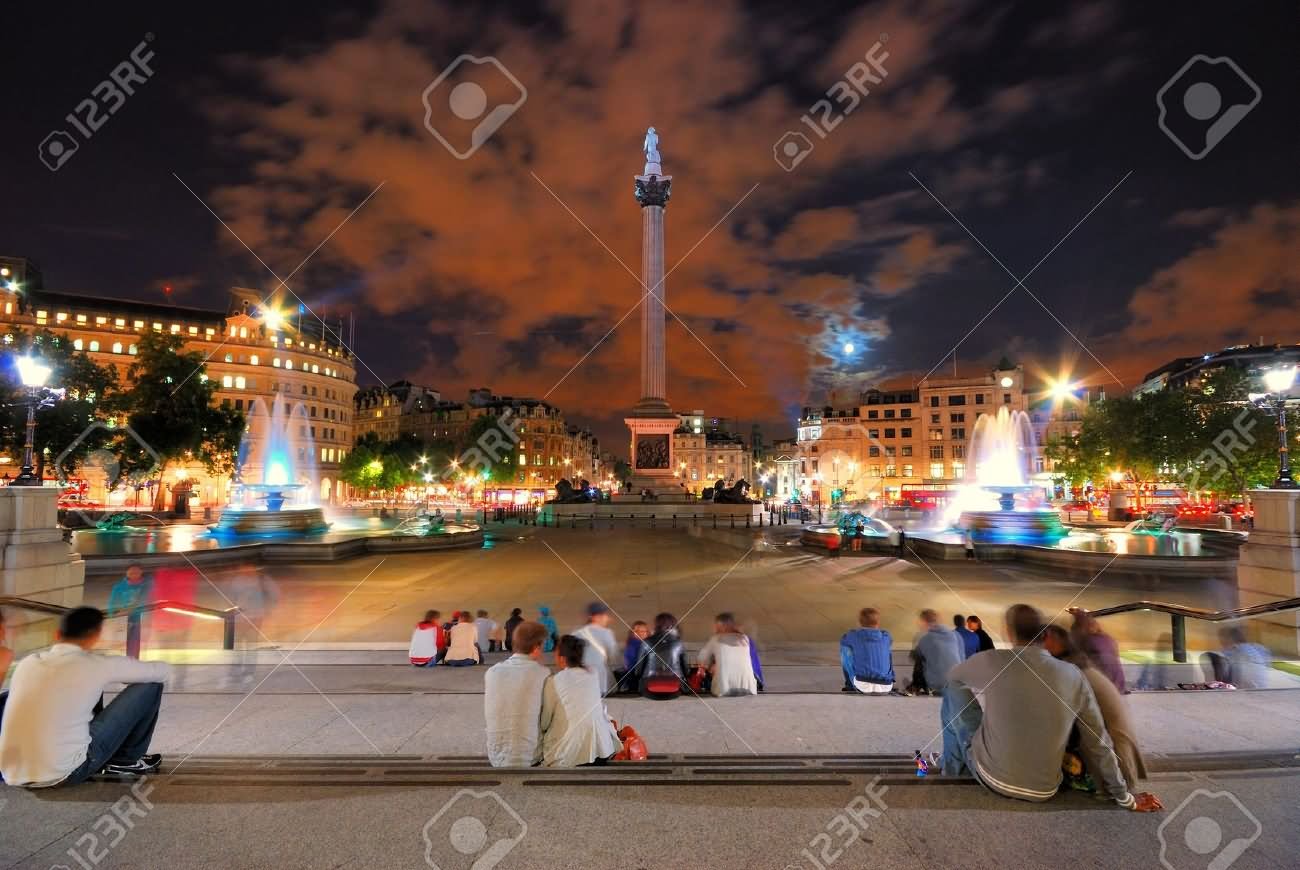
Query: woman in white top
<point x="727" y="657"/>
<point x="463" y="643"/>
<point x="575" y="727"/>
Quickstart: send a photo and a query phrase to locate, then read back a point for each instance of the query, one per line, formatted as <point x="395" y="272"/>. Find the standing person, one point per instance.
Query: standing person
<point x="969" y="541"/>
<point x="575" y="727"/>
<point x="661" y="669"/>
<point x="726" y="656"/>
<point x="255" y="595"/>
<point x="975" y="624"/>
<point x="485" y="628"/>
<point x="1013" y="738"/>
<point x="970" y="640"/>
<point x="462" y="643"/>
<point x="552" y="629"/>
<point x="1100" y="648"/>
<point x="427" y="640"/>
<point x="936" y="651"/>
<point x="1114" y="709"/>
<point x="859" y="532"/>
<point x="599" y="645"/>
<point x="130" y="592"/>
<point x="55" y="729"/>
<point x="516" y="617"/>
<point x="866" y="656"/>
<point x="512" y="700"/>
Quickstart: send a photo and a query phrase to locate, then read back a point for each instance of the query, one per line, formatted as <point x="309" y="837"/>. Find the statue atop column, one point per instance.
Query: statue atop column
<point x="651" y="148"/>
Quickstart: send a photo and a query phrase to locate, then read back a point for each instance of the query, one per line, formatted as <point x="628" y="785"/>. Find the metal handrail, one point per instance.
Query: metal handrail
<point x="133" y="617"/>
<point x="1179" y="613"/>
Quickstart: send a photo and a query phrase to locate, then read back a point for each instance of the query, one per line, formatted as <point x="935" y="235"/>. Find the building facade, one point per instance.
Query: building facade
<point x="548" y="447"/>
<point x="707" y="450"/>
<point x="901" y="441"/>
<point x="251" y="357"/>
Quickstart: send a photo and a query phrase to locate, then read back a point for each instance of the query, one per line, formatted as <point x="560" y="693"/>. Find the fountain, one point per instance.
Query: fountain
<point x="277" y="448"/>
<point x="1000" y="449"/>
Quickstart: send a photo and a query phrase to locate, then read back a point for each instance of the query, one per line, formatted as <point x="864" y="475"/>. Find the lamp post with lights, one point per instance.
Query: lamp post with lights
<point x="1279" y="382"/>
<point x="34" y="374"/>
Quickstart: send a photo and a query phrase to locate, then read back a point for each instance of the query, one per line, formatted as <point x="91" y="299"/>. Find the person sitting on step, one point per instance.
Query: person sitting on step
<point x="56" y="728"/>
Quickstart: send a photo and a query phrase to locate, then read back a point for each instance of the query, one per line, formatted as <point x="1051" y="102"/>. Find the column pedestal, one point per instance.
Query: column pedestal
<point x="35" y="563"/>
<point x="1269" y="568"/>
<point x="652" y="459"/>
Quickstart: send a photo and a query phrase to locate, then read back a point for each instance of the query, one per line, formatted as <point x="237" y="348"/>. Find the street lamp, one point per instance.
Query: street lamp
<point x="33" y="374"/>
<point x="1279" y="382"/>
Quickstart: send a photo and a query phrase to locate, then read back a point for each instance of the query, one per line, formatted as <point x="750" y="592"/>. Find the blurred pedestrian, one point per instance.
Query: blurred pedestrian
<point x="1100" y="648"/>
<point x="600" y="645"/>
<point x="552" y="629"/>
<point x="974" y="623"/>
<point x="485" y="627"/>
<point x="1241" y="664"/>
<point x="516" y="617"/>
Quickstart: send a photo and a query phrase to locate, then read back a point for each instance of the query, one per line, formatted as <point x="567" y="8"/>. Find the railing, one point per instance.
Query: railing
<point x="133" y="618"/>
<point x="1178" y="614"/>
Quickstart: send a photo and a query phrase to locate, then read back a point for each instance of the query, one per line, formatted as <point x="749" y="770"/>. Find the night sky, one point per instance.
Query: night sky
<point x="1019" y="118"/>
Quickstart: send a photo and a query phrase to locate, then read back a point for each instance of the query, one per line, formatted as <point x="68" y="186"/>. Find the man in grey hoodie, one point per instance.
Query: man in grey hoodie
<point x="1014" y="744"/>
<point x="937" y="651"/>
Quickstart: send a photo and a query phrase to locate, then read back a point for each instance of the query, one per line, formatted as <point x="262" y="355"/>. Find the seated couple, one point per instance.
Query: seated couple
<point x="535" y="717"/>
<point x="1015" y="743"/>
<point x="658" y="670"/>
<point x="54" y="726"/>
<point x="432" y="644"/>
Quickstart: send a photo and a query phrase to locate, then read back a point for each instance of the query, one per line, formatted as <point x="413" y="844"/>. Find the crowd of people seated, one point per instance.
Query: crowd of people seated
<point x="459" y="642"/>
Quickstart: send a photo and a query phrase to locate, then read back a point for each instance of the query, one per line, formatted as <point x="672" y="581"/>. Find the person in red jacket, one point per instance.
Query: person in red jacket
<point x="428" y="641"/>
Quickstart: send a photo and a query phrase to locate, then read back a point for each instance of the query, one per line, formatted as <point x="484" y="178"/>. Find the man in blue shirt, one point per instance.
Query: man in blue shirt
<point x="969" y="639"/>
<point x="128" y="593"/>
<point x="937" y="650"/>
<point x="866" y="656"/>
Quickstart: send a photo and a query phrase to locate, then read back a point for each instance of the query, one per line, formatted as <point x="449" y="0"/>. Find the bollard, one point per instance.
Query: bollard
<point x="733" y="521"/>
<point x="1178" y="625"/>
<point x="748" y="517"/>
<point x="715" y="521"/>
<point x="573" y="521"/>
<point x="228" y="630"/>
<point x="652" y="521"/>
<point x="695" y="519"/>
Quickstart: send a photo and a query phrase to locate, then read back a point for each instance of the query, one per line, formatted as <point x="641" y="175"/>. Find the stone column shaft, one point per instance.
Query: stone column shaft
<point x="653" y="362"/>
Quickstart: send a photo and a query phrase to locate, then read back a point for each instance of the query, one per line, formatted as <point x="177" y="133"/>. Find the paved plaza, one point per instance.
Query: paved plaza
<point x="794" y="601"/>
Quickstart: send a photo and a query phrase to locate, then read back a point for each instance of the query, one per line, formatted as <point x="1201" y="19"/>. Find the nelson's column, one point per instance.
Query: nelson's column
<point x="652" y="420"/>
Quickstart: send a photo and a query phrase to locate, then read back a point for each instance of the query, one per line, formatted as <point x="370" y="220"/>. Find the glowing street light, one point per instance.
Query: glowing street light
<point x="273" y="320"/>
<point x="1279" y="382"/>
<point x="34" y="374"/>
<point x="1061" y="390"/>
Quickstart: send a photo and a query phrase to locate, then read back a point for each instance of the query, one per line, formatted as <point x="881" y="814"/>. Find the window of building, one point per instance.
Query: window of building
<point x="906" y="432"/>
<point x="959" y="433"/>
<point x="157" y="327"/>
<point x="131" y="350"/>
<point x="240" y="382"/>
<point x="42" y="316"/>
<point x="958" y="451"/>
<point x="230" y="357"/>
<point x="227" y="381"/>
<point x="81" y="318"/>
<point x="176" y="328"/>
<point x="891" y="471"/>
<point x="873" y="433"/>
<point x="907" y="449"/>
<point x="288" y="364"/>
<point x="889" y="450"/>
<point x="934" y="401"/>
<point x="239" y="404"/>
<point x="209" y="332"/>
<point x="890" y="433"/>
<point x="956" y="400"/>
<point x="117" y="347"/>
<point x="907" y="471"/>
<point x="194" y="330"/>
<point x="243" y="332"/>
<point x="889" y="413"/>
<point x="1006" y="398"/>
<point x="979" y="398"/>
<point x="936" y="434"/>
<point x="905" y="413"/>
<point x="120" y="322"/>
<point x="959" y="470"/>
<point x="934" y="418"/>
<point x="873" y="451"/>
<point x="276" y="362"/>
<point x="253" y="359"/>
<point x="936" y="470"/>
<point x="936" y="451"/>
<point x="138" y="324"/>
<point x="873" y="414"/>
<point x="315" y="369"/>
<point x="94" y="345"/>
<point x="60" y="316"/>
<point x="957" y="418"/>
<point x="77" y="344"/>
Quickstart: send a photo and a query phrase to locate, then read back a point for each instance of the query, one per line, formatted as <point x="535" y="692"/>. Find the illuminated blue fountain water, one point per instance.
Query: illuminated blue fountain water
<point x="992" y="505"/>
<point x="277" y="480"/>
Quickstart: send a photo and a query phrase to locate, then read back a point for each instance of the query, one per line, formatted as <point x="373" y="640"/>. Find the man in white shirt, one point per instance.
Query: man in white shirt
<point x="512" y="700"/>
<point x="55" y="731"/>
<point x="485" y="627"/>
<point x="601" y="651"/>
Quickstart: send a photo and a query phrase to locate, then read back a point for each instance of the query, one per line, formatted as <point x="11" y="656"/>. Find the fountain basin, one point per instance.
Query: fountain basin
<point x="236" y="521"/>
<point x="1014" y="526"/>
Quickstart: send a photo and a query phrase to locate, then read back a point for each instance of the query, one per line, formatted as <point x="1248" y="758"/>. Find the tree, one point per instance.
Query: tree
<point x="90" y="392"/>
<point x="622" y="471"/>
<point x="169" y="407"/>
<point x="487" y="449"/>
<point x="1237" y="441"/>
<point x="363" y="467"/>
